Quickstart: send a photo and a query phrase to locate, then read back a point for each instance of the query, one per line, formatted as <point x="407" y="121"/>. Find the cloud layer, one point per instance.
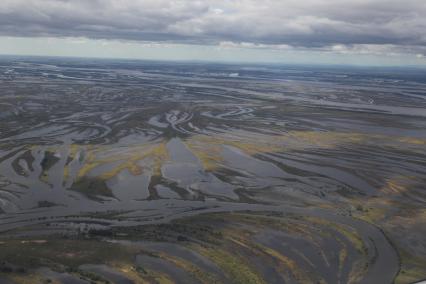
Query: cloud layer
<point x="301" y="23"/>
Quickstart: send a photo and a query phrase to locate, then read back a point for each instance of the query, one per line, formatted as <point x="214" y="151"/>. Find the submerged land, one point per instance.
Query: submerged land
<point x="154" y="172"/>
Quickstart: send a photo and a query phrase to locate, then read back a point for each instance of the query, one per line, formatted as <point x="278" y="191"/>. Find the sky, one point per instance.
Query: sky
<point x="362" y="32"/>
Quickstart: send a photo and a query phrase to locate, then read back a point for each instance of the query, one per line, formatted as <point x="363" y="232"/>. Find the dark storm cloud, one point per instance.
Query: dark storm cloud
<point x="307" y="23"/>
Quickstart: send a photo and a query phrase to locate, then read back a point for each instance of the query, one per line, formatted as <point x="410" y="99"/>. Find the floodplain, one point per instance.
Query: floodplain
<point x="155" y="172"/>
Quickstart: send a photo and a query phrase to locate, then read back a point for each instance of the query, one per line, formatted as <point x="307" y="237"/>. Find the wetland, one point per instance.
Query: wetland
<point x="171" y="172"/>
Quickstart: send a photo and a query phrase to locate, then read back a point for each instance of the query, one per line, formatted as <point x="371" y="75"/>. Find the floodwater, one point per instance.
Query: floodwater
<point x="153" y="142"/>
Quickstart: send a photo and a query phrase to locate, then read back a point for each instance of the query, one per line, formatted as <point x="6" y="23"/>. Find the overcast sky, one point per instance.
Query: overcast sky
<point x="322" y="31"/>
